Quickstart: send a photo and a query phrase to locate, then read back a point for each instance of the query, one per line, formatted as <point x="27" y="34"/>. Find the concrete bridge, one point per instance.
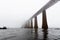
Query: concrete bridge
<point x="34" y="33"/>
<point x="29" y="22"/>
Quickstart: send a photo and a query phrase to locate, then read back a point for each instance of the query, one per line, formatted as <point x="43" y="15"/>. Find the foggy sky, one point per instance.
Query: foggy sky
<point x="13" y="13"/>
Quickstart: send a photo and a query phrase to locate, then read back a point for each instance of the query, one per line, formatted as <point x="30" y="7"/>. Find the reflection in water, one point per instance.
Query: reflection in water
<point x="30" y="34"/>
<point x="36" y="34"/>
<point x="45" y="34"/>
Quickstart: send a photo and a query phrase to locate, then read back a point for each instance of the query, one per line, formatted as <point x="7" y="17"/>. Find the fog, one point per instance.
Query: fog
<point x="13" y="13"/>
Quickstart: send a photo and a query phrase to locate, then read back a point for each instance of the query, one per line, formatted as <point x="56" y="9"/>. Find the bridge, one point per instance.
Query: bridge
<point x="30" y="32"/>
<point x="29" y="22"/>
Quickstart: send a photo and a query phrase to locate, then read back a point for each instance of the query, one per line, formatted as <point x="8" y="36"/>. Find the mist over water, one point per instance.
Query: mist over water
<point x="14" y="13"/>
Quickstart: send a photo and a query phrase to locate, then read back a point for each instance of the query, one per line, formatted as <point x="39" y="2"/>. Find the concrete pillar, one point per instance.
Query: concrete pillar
<point x="28" y="24"/>
<point x="44" y="20"/>
<point x="31" y="23"/>
<point x="35" y="23"/>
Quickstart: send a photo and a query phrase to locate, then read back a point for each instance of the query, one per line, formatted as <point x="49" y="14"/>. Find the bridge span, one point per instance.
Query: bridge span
<point x="29" y="22"/>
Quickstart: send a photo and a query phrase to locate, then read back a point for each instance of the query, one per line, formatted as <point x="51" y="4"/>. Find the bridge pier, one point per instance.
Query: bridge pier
<point x="31" y="23"/>
<point x="35" y="22"/>
<point x="44" y="20"/>
<point x="26" y="25"/>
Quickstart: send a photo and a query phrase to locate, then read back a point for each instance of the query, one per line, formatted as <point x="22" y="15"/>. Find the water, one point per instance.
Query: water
<point x="30" y="34"/>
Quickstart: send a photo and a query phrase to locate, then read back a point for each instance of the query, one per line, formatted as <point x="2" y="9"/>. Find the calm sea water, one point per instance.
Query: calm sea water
<point x="30" y="34"/>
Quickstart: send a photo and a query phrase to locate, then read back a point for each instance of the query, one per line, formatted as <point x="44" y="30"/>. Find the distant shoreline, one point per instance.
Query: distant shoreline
<point x="4" y="28"/>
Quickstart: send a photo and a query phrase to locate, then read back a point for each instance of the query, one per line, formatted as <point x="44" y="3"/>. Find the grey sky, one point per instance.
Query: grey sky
<point x="13" y="13"/>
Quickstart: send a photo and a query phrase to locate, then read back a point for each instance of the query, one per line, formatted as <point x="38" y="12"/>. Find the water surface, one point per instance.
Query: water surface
<point x="30" y="34"/>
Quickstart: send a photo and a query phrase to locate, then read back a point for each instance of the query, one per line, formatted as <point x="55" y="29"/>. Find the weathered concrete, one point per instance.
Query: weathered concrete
<point x="44" y="20"/>
<point x="35" y="23"/>
<point x="31" y="23"/>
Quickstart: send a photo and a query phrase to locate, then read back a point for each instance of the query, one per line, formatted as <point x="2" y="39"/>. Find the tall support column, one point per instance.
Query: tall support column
<point x="31" y="23"/>
<point x="28" y="24"/>
<point x="44" y="20"/>
<point x="35" y="23"/>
